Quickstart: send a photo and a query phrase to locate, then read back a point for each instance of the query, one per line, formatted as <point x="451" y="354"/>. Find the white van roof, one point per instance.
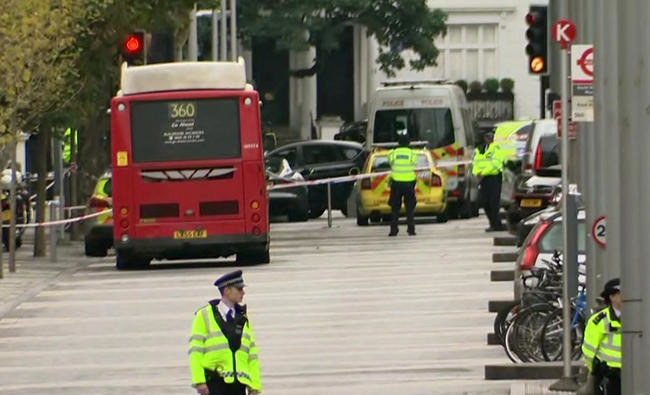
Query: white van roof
<point x="183" y="76"/>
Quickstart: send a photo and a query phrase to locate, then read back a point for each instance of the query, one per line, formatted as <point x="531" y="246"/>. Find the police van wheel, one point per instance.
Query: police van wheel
<point x="362" y="220"/>
<point x="442" y="218"/>
<point x="253" y="257"/>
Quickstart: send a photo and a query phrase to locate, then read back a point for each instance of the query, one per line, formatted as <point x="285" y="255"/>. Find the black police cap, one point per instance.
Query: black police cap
<point x="232" y="279"/>
<point x="611" y="287"/>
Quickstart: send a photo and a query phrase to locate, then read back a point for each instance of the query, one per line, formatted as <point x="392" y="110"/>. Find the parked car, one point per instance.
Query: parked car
<point x="99" y="230"/>
<point x="353" y="131"/>
<point x="524" y="226"/>
<point x="372" y="194"/>
<point x="291" y="201"/>
<point x="544" y="239"/>
<point x="318" y="159"/>
<point x="512" y="137"/>
<point x="535" y="193"/>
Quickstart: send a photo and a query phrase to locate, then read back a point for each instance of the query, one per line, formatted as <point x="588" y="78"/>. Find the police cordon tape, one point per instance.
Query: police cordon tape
<point x="61" y="221"/>
<point x="291" y="183"/>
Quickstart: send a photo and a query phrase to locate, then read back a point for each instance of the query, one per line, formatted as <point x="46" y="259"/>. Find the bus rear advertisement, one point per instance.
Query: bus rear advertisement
<point x="187" y="165"/>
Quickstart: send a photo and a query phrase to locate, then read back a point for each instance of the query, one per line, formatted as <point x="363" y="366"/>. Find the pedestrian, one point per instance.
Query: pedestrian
<point x="601" y="346"/>
<point x="402" y="162"/>
<point x="487" y="166"/>
<point x="222" y="351"/>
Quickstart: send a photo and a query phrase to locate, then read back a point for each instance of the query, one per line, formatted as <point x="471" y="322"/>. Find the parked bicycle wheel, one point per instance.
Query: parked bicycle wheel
<point x="503" y="319"/>
<point x="552" y="339"/>
<point x="528" y="328"/>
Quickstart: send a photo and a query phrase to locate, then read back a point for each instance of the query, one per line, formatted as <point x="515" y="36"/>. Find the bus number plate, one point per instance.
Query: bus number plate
<point x="191" y="234"/>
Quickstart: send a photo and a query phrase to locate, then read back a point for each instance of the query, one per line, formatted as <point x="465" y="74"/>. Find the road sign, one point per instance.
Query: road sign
<point x="582" y="83"/>
<point x="564" y="32"/>
<point x="557" y="115"/>
<point x="599" y="230"/>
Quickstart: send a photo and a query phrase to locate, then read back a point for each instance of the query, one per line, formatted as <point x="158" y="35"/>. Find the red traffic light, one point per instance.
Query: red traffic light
<point x="531" y="18"/>
<point x="133" y="44"/>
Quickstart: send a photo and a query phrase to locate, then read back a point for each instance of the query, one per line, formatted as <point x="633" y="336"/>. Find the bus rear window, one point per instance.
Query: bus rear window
<point x="433" y="125"/>
<point x="183" y="130"/>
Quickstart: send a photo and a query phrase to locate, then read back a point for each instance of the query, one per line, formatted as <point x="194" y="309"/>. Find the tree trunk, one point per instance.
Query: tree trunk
<point x="43" y="139"/>
<point x="12" y="206"/>
<point x="74" y="149"/>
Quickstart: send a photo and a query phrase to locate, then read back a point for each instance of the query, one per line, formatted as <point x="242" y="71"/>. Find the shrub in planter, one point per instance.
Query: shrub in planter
<point x="462" y="84"/>
<point x="475" y="87"/>
<point x="491" y="85"/>
<point x="507" y="85"/>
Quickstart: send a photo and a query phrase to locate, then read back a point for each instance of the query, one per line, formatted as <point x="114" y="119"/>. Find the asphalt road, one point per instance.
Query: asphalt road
<point x="344" y="310"/>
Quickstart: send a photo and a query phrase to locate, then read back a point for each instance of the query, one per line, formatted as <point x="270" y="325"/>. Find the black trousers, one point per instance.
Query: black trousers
<point x="402" y="190"/>
<point x="610" y="384"/>
<point x="217" y="386"/>
<point x="491" y="199"/>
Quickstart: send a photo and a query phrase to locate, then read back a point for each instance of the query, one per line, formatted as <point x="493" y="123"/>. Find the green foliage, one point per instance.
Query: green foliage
<point x="462" y="84"/>
<point x="475" y="86"/>
<point x="491" y="85"/>
<point x="507" y="84"/>
<point x="397" y="26"/>
<point x="37" y="60"/>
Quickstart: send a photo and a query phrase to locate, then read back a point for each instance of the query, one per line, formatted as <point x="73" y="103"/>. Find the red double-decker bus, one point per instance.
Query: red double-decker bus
<point x="187" y="165"/>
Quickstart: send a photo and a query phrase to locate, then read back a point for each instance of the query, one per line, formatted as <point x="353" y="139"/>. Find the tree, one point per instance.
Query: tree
<point x="396" y="25"/>
<point x="37" y="72"/>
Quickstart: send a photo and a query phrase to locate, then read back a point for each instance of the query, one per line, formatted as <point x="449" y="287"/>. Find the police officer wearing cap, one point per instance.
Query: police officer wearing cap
<point x="402" y="162"/>
<point x="487" y="166"/>
<point x="601" y="346"/>
<point x="222" y="351"/>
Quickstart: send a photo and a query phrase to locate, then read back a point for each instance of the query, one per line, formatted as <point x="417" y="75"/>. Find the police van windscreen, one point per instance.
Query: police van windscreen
<point x="184" y="130"/>
<point x="433" y="125"/>
<point x="380" y="163"/>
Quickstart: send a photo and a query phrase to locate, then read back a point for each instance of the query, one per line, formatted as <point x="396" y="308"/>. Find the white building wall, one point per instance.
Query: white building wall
<point x="484" y="41"/>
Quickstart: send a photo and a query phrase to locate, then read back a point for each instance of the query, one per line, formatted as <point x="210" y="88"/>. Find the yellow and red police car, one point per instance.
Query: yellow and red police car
<point x="373" y="192"/>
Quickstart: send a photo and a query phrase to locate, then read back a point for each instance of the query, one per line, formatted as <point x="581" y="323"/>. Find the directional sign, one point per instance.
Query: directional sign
<point x="599" y="230"/>
<point x="582" y="83"/>
<point x="564" y="32"/>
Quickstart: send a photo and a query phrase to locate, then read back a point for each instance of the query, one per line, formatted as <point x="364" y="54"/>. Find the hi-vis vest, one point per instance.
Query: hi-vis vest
<point x="602" y="339"/>
<point x="402" y="162"/>
<point x="209" y="349"/>
<point x="488" y="163"/>
<point x="100" y="193"/>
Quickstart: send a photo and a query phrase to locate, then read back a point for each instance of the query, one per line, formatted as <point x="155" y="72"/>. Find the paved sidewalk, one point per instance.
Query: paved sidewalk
<point x="36" y="274"/>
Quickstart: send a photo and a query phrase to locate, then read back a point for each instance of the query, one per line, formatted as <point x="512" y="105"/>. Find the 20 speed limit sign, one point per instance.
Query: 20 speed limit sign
<point x="599" y="230"/>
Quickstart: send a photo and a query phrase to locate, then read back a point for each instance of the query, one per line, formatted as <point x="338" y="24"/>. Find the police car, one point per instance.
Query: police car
<point x="372" y="193"/>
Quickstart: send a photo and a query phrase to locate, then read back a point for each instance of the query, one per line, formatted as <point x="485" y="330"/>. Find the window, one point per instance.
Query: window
<point x="468" y="51"/>
<point x="552" y="238"/>
<point x="289" y="154"/>
<point x="184" y="130"/>
<point x="350" y="153"/>
<point x="318" y="153"/>
<point x="433" y="125"/>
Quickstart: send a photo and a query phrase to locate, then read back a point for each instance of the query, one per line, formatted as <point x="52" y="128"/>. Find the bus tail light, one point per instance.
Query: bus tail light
<point x="124" y="223"/>
<point x="255" y="217"/>
<point x="124" y="211"/>
<point x="436" y="181"/>
<point x="124" y="238"/>
<point x="255" y="204"/>
<point x="366" y="184"/>
<point x="256" y="231"/>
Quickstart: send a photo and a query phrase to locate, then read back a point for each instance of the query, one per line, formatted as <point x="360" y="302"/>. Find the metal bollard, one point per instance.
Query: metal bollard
<point x="329" y="204"/>
<point x="53" y="207"/>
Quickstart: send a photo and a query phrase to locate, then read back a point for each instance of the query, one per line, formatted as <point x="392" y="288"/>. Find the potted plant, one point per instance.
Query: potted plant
<point x="491" y="85"/>
<point x="507" y="85"/>
<point x="462" y="84"/>
<point x="475" y="87"/>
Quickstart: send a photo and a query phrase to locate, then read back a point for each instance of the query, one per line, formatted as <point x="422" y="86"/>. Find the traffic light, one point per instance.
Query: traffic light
<point x="537" y="36"/>
<point x="133" y="47"/>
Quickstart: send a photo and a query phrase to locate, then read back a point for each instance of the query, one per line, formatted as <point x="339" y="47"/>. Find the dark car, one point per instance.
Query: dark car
<point x="318" y="159"/>
<point x="353" y="131"/>
<point x="290" y="201"/>
<point x="536" y="190"/>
